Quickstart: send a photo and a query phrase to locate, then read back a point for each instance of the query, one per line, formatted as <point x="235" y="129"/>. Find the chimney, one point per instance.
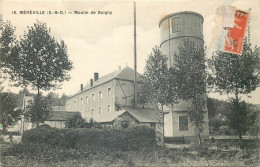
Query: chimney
<point x="119" y="67"/>
<point x="95" y="76"/>
<point x="91" y="82"/>
<point x="81" y="87"/>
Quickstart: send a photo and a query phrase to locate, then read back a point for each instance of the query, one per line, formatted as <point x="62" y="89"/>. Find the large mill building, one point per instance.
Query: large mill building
<point x="110" y="98"/>
<point x="174" y="29"/>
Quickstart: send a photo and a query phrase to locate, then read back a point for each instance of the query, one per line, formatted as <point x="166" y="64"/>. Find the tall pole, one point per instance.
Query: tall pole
<point x="59" y="103"/>
<point x="135" y="91"/>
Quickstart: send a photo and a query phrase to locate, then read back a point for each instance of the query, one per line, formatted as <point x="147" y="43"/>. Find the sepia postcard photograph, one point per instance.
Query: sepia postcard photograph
<point x="129" y="83"/>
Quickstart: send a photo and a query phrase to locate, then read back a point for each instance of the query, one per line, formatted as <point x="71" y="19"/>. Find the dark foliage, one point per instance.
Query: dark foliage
<point x="37" y="58"/>
<point x="132" y="138"/>
<point x="188" y="71"/>
<point x="8" y="50"/>
<point x="237" y="75"/>
<point x="157" y="86"/>
<point x="39" y="110"/>
<point x="241" y="117"/>
<point x="76" y="121"/>
<point x="216" y="107"/>
<point x="9" y="115"/>
<point x="56" y="100"/>
<point x="218" y="153"/>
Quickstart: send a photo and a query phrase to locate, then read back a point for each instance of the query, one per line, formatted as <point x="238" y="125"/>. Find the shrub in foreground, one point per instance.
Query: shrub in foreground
<point x="44" y="135"/>
<point x="132" y="138"/>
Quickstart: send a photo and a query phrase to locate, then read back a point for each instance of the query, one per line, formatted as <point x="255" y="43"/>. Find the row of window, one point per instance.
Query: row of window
<point x="93" y="97"/>
<point x="100" y="110"/>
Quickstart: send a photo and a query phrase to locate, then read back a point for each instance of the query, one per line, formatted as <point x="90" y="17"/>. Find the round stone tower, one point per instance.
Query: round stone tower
<point x="175" y="28"/>
<point x="179" y="26"/>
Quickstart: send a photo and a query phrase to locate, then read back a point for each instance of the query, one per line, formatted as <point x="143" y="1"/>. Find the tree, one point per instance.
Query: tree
<point x="39" y="110"/>
<point x="144" y="91"/>
<point x="8" y="40"/>
<point x="24" y="91"/>
<point x="54" y="97"/>
<point x="216" y="107"/>
<point x="9" y="114"/>
<point x="155" y="83"/>
<point x="211" y="107"/>
<point x="240" y="116"/>
<point x="63" y="99"/>
<point x="236" y="75"/>
<point x="8" y="50"/>
<point x="42" y="61"/>
<point x="188" y="71"/>
<point x="58" y="101"/>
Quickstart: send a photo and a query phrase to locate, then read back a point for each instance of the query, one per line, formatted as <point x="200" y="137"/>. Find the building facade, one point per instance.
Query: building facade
<point x="107" y="94"/>
<point x="109" y="100"/>
<point x="175" y="28"/>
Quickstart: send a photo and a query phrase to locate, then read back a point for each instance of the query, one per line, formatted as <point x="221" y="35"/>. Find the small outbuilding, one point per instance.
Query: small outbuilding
<point x="59" y="118"/>
<point x="128" y="117"/>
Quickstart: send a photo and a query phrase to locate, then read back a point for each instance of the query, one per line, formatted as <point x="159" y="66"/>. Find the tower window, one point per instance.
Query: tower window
<point x="176" y="24"/>
<point x="81" y="100"/>
<point x="87" y="99"/>
<point x="100" y="95"/>
<point x="183" y="123"/>
<point x="93" y="97"/>
<point x="108" y="92"/>
<point x="92" y="112"/>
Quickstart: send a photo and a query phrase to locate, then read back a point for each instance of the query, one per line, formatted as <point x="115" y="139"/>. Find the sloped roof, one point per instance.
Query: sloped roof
<point x="62" y="115"/>
<point x="144" y="114"/>
<point x="58" y="108"/>
<point x="147" y="115"/>
<point x="108" y="117"/>
<point x="126" y="73"/>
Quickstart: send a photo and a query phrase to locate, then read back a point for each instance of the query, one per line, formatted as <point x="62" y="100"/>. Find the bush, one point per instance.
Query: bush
<point x="45" y="144"/>
<point x="225" y="130"/>
<point x="43" y="152"/>
<point x="76" y="121"/>
<point x="216" y="123"/>
<point x="132" y="138"/>
<point x="44" y="135"/>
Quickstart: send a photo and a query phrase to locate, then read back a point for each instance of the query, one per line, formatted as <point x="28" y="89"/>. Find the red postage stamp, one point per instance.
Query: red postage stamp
<point x="234" y="24"/>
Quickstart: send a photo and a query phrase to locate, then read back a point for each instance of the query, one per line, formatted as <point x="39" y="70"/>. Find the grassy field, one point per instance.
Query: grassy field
<point x="206" y="156"/>
<point x="120" y="147"/>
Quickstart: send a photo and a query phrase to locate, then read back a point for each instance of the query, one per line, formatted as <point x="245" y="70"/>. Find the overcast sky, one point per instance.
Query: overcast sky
<point x="101" y="43"/>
